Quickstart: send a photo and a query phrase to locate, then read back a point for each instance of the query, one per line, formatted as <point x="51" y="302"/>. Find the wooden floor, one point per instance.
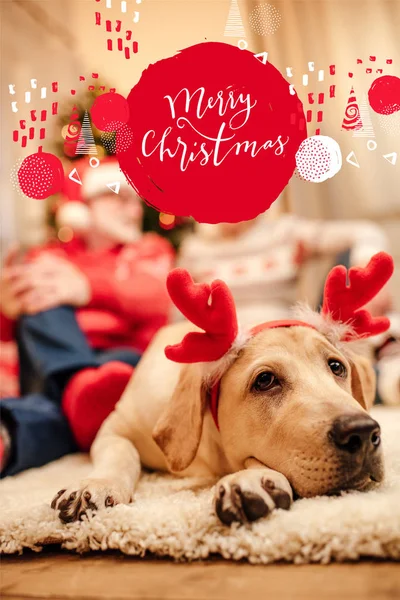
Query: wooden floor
<point x="115" y="577"/>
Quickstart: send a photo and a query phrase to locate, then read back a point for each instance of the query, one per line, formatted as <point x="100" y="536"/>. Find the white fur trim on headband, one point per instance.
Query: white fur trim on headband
<point x="213" y="371"/>
<point x="334" y="331"/>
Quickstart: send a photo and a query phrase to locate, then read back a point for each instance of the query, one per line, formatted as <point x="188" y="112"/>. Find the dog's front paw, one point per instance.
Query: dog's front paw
<point x="250" y="495"/>
<point x="89" y="494"/>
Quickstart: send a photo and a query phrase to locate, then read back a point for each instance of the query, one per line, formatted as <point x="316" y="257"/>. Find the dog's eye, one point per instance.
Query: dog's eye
<point x="265" y="381"/>
<point x="337" y="367"/>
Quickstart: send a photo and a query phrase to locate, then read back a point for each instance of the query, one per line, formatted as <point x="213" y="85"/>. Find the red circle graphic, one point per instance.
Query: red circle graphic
<point x="215" y="134"/>
<point x="384" y="95"/>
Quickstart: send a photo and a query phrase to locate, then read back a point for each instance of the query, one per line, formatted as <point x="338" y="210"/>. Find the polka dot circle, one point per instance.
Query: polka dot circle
<point x="40" y="175"/>
<point x="265" y="19"/>
<point x="318" y="159"/>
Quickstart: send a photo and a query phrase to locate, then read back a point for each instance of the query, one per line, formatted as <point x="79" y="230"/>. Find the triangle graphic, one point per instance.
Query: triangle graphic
<point x="86" y="143"/>
<point x="392" y="157"/>
<point x="352" y="118"/>
<point x="352" y="160"/>
<point x="263" y="57"/>
<point x="72" y="177"/>
<point x="367" y="129"/>
<point x="234" y="25"/>
<point x="114" y="187"/>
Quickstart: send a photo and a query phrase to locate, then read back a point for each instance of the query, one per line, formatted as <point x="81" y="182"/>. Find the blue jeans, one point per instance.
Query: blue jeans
<point x="52" y="349"/>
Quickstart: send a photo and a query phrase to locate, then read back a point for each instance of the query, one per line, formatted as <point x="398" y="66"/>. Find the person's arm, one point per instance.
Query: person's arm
<point x="362" y="238"/>
<point x="138" y="289"/>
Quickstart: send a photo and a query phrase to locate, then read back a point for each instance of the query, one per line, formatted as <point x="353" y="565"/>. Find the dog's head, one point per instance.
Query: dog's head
<point x="295" y="399"/>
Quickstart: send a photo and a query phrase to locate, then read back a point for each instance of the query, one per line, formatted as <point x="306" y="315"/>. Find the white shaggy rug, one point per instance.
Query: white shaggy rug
<point x="173" y="517"/>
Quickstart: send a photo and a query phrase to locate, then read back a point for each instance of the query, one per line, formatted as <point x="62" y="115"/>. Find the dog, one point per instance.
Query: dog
<point x="277" y="414"/>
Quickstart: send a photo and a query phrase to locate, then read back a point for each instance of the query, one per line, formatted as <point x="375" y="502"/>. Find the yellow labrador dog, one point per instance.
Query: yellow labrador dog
<point x="291" y="420"/>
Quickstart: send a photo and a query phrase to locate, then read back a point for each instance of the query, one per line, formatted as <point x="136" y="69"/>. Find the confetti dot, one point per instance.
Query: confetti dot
<point x="318" y="158"/>
<point x="265" y="19"/>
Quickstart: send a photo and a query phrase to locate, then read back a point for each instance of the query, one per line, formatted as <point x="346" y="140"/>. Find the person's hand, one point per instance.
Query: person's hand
<point x="11" y="285"/>
<point x="53" y="281"/>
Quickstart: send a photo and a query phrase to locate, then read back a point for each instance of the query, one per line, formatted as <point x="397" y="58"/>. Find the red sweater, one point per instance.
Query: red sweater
<point x="129" y="301"/>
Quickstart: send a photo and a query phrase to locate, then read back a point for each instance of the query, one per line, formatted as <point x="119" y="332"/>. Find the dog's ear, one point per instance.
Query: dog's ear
<point x="178" y="430"/>
<point x="363" y="381"/>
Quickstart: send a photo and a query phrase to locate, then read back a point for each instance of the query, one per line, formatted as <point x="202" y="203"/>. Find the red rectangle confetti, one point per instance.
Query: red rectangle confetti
<point x="109" y="45"/>
<point x="118" y="25"/>
<point x="372" y="58"/>
<point x="319" y="116"/>
<point x="368" y="71"/>
<point x="389" y="61"/>
<point x="54" y="86"/>
<point x="127" y="52"/>
<point x="31" y="133"/>
<point x="129" y="35"/>
<point x="321" y="98"/>
<point x="54" y="108"/>
<point x="108" y="25"/>
<point x="359" y="61"/>
<point x="332" y="91"/>
<point x="98" y="18"/>
<point x="43" y="115"/>
<point x="119" y="44"/>
<point x="332" y="69"/>
<point x="311" y="98"/>
<point x="15" y="135"/>
<point x="309" y="116"/>
<point x="42" y="133"/>
<point x="24" y="140"/>
<point x="95" y="75"/>
<point x="33" y="115"/>
<point x="22" y="124"/>
<point x="91" y="88"/>
<point x="135" y="47"/>
<point x="317" y="132"/>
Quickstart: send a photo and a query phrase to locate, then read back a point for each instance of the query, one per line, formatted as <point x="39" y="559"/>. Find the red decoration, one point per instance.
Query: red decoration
<point x="218" y="143"/>
<point x="210" y="307"/>
<point x="40" y="175"/>
<point x="109" y="111"/>
<point x="344" y="302"/>
<point x="384" y="95"/>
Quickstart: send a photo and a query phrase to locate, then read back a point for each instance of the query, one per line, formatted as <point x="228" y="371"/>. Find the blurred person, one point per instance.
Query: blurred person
<point x="82" y="313"/>
<point x="261" y="261"/>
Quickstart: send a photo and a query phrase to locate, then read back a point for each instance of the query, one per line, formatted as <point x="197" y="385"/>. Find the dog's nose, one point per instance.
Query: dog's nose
<point x="356" y="433"/>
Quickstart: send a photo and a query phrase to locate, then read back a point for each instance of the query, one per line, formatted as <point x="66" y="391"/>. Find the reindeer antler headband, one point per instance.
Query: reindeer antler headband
<point x="212" y="308"/>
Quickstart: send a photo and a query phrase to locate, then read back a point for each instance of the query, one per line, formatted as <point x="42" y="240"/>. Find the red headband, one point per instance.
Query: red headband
<point x="212" y="308"/>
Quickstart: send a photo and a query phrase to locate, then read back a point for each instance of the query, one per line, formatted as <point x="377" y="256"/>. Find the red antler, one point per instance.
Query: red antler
<point x="342" y="301"/>
<point x="210" y="307"/>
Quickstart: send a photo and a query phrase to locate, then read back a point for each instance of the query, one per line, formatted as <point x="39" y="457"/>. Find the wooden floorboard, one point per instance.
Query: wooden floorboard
<point x="116" y="577"/>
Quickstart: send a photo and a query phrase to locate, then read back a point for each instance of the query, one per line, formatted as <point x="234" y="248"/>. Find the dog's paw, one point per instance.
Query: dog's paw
<point x="250" y="495"/>
<point x="89" y="494"/>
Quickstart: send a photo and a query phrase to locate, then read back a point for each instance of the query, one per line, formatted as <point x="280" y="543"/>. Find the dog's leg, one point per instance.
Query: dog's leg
<point x="251" y="494"/>
<point x="116" y="471"/>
